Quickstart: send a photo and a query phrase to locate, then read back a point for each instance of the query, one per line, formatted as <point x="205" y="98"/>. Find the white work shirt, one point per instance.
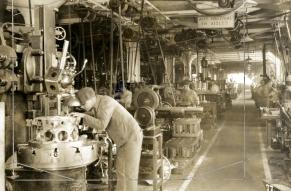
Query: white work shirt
<point x="109" y="115"/>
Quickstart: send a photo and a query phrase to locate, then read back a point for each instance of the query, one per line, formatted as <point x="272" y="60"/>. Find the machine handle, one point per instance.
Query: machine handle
<point x="83" y="67"/>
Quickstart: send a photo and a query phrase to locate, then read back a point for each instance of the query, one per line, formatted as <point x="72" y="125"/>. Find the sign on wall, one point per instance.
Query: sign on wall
<point x="216" y="22"/>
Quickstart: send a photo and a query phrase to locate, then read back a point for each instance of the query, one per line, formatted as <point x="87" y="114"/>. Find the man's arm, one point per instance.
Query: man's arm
<point x="104" y="113"/>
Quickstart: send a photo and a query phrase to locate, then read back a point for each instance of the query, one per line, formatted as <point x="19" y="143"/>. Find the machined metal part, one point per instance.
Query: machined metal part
<point x="32" y="61"/>
<point x="30" y="65"/>
<point x="52" y="80"/>
<point x="55" y="144"/>
<point x="54" y="129"/>
<point x="58" y="156"/>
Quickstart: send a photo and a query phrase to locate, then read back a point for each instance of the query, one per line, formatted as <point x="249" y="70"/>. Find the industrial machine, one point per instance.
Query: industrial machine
<point x="155" y="168"/>
<point x="56" y="147"/>
<point x="182" y="135"/>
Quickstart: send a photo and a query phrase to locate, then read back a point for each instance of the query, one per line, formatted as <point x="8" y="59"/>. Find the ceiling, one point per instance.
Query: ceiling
<point x="262" y="19"/>
<point x="177" y="23"/>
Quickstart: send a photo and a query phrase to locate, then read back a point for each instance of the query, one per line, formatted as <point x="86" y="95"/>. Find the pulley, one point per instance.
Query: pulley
<point x="201" y="44"/>
<point x="145" y="116"/>
<point x="129" y="34"/>
<point x="114" y="4"/>
<point x="146" y="97"/>
<point x="30" y="65"/>
<point x="148" y="23"/>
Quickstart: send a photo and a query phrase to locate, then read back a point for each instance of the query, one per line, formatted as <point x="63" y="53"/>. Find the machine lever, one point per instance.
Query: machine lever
<point x="83" y="67"/>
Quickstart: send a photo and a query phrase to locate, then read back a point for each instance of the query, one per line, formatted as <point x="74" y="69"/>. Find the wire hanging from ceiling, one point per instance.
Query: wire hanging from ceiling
<point x="121" y="50"/>
<point x="246" y="51"/>
<point x="164" y="61"/>
<point x="13" y="93"/>
<point x="93" y="56"/>
<point x="111" y="53"/>
<point x="83" y="49"/>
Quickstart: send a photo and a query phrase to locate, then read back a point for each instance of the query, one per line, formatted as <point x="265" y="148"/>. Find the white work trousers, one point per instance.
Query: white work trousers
<point x="127" y="162"/>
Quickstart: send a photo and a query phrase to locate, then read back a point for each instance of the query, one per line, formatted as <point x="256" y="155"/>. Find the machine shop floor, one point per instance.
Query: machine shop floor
<point x="225" y="163"/>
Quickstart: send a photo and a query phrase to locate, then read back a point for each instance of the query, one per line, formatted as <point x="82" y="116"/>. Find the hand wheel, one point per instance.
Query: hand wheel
<point x="60" y="33"/>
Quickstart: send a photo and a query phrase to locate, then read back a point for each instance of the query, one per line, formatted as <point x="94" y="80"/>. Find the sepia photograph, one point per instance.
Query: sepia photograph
<point x="145" y="95"/>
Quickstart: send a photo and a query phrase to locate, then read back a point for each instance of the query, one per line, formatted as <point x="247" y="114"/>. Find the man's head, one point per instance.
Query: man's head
<point x="86" y="97"/>
<point x="186" y="84"/>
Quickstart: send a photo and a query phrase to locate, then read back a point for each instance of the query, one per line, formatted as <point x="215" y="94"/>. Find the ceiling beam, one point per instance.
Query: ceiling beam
<point x="156" y="9"/>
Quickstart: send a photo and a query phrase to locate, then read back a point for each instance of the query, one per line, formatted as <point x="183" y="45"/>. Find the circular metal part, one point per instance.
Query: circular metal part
<point x="7" y="56"/>
<point x="145" y="116"/>
<point x="148" y="22"/>
<point x="49" y="136"/>
<point x="146" y="97"/>
<point x="6" y="79"/>
<point x="167" y="170"/>
<point x="29" y="63"/>
<point x="55" y="144"/>
<point x="130" y="34"/>
<point x="67" y="156"/>
<point x="60" y="33"/>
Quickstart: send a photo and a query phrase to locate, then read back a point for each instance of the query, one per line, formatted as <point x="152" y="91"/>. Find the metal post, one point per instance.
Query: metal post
<point x="84" y="50"/>
<point x="2" y="143"/>
<point x="121" y="50"/>
<point x="111" y="54"/>
<point x="110" y="166"/>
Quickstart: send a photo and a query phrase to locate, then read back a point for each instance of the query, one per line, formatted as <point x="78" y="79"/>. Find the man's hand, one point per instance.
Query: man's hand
<point x="76" y="114"/>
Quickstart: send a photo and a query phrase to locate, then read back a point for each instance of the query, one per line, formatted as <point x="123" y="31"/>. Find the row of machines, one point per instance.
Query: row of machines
<point x="175" y="129"/>
<point x="275" y="111"/>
